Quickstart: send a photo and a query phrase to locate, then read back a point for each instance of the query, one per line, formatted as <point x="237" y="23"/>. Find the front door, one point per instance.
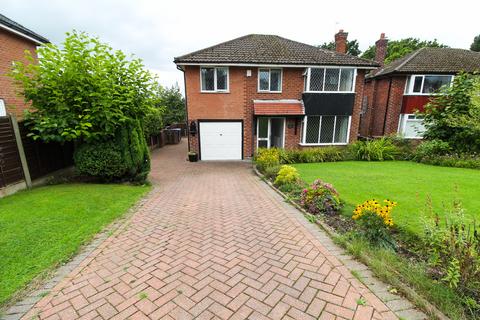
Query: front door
<point x="270" y="132"/>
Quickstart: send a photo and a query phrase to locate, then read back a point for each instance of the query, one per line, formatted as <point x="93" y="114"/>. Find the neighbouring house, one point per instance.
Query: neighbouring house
<point x="14" y="40"/>
<point x="268" y="91"/>
<point x="393" y="93"/>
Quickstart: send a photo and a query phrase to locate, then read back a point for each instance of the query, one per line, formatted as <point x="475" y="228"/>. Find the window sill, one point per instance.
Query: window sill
<point x="261" y="91"/>
<point x="214" y="91"/>
<point x="322" y="144"/>
<point x="422" y="94"/>
<point x="328" y="92"/>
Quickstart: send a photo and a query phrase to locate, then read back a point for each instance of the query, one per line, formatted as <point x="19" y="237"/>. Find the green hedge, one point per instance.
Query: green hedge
<point x="125" y="158"/>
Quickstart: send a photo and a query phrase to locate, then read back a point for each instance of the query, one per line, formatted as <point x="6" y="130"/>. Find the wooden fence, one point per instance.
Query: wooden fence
<point x="42" y="158"/>
<point x="10" y="164"/>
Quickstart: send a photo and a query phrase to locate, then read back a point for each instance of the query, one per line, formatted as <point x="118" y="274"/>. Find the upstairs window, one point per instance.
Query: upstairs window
<point x="269" y="80"/>
<point x="214" y="79"/>
<point x="427" y="84"/>
<point x="329" y="79"/>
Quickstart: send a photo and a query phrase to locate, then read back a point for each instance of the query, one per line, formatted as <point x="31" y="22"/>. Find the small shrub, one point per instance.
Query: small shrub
<point x="374" y="221"/>
<point x="102" y="160"/>
<point x="271" y="172"/>
<point x="374" y="150"/>
<point x="453" y="248"/>
<point x="267" y="158"/>
<point x="320" y="197"/>
<point x="126" y="157"/>
<point x="287" y="174"/>
<point x="469" y="161"/>
<point x="309" y="155"/>
<point x="405" y="147"/>
<point x="293" y="190"/>
<point x="431" y="148"/>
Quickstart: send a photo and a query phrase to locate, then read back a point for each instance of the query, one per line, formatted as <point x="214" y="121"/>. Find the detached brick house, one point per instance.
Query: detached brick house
<point x="394" y="92"/>
<point x="268" y="91"/>
<point x="14" y="40"/>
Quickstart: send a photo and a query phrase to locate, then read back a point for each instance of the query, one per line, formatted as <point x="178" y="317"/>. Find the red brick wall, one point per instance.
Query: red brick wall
<point x="238" y="103"/>
<point x="12" y="48"/>
<point x="357" y="107"/>
<point x="384" y="104"/>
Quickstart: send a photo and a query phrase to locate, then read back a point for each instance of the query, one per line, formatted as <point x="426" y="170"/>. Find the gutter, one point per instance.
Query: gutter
<point x="23" y="35"/>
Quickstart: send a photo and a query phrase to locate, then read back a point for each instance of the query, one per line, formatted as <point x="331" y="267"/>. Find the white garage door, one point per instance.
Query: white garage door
<point x="221" y="140"/>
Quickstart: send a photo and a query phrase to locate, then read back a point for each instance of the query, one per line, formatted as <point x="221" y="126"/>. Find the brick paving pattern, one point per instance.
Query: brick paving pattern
<point x="212" y="241"/>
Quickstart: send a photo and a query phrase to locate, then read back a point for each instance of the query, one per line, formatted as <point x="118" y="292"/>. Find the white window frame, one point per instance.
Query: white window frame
<point x="308" y="73"/>
<point x="216" y="90"/>
<point x="269" y="132"/>
<point x="269" y="80"/>
<point x="304" y="132"/>
<point x="402" y="124"/>
<point x="411" y="81"/>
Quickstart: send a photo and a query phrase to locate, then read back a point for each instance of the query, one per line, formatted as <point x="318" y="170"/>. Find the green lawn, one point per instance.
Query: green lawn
<point x="46" y="226"/>
<point x="408" y="183"/>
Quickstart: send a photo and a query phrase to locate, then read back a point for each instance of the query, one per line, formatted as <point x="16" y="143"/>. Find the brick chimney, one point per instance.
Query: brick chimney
<point x="381" y="49"/>
<point x="341" y="41"/>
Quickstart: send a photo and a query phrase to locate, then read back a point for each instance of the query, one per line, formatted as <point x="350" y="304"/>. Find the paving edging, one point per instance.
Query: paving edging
<point x="34" y="294"/>
<point x="366" y="276"/>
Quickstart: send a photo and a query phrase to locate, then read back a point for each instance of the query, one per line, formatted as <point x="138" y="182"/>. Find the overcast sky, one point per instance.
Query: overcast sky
<point x="157" y="31"/>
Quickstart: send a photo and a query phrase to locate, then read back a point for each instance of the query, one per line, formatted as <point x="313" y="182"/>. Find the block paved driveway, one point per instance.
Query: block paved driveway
<point x="212" y="241"/>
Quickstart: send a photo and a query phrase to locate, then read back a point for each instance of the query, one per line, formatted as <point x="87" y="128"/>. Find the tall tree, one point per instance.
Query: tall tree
<point x="399" y="48"/>
<point x="174" y="105"/>
<point x="352" y="47"/>
<point x="476" y="44"/>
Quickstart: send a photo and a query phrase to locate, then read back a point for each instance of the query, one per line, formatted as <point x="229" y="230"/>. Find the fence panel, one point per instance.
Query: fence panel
<point x="10" y="164"/>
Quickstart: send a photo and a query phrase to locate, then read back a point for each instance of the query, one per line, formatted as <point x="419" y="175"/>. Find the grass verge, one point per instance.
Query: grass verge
<point x="43" y="227"/>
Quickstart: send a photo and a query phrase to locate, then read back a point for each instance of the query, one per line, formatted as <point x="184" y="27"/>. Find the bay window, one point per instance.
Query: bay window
<point x="214" y="79"/>
<point x="411" y="126"/>
<point x="324" y="130"/>
<point x="329" y="80"/>
<point x="270" y="80"/>
<point x="426" y="84"/>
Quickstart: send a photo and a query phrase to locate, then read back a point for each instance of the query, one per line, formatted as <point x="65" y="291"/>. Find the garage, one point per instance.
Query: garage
<point x="220" y="140"/>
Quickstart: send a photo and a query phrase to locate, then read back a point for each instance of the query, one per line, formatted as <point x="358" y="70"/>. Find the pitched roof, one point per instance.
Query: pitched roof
<point x="270" y="49"/>
<point x="7" y="23"/>
<point x="433" y="60"/>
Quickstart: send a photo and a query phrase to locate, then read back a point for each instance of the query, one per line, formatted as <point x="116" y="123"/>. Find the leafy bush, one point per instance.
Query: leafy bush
<point x="374" y="150"/>
<point x="405" y="147"/>
<point x="320" y="197"/>
<point x="153" y="122"/>
<point x="287" y="174"/>
<point x="124" y="158"/>
<point x="271" y="172"/>
<point x="374" y="221"/>
<point x="83" y="90"/>
<point x="267" y="158"/>
<point x="431" y="148"/>
<point x="103" y="160"/>
<point x="326" y="154"/>
<point x="454" y="115"/>
<point x="470" y="161"/>
<point x="453" y="247"/>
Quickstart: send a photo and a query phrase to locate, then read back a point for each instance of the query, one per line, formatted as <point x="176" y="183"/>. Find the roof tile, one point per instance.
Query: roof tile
<point x="271" y="49"/>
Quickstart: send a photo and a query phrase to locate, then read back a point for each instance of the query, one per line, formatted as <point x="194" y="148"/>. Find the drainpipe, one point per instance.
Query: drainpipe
<point x="186" y="109"/>
<point x="386" y="106"/>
